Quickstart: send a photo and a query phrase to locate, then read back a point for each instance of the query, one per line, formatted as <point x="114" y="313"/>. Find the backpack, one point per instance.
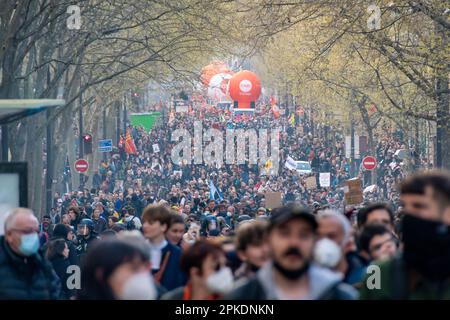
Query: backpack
<point x="130" y="224"/>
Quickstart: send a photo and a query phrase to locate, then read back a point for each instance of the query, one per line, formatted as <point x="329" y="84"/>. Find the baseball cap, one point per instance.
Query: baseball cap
<point x="286" y="213"/>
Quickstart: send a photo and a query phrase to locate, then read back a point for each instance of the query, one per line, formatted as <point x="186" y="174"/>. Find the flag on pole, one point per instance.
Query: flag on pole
<point x="276" y="111"/>
<point x="121" y="142"/>
<point x="292" y="119"/>
<point x="130" y="147"/>
<point x="272" y="100"/>
<point x="268" y="164"/>
<point x="213" y="191"/>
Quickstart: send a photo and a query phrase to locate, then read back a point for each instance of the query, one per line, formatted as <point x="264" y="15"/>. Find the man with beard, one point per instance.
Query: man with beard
<point x="422" y="271"/>
<point x="291" y="275"/>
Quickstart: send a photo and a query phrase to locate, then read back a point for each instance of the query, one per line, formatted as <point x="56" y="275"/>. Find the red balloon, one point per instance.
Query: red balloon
<point x="211" y="70"/>
<point x="244" y="87"/>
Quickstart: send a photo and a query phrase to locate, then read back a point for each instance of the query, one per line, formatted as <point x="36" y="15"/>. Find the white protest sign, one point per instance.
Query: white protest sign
<point x="290" y="163"/>
<point x="155" y="148"/>
<point x="324" y="179"/>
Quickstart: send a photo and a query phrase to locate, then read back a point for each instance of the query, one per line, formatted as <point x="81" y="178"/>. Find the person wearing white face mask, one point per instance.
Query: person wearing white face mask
<point x="118" y="269"/>
<point x="209" y="277"/>
<point x="25" y="273"/>
<point x="335" y="248"/>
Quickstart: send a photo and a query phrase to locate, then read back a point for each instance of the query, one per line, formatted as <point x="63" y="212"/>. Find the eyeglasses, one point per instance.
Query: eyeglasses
<point x="26" y="231"/>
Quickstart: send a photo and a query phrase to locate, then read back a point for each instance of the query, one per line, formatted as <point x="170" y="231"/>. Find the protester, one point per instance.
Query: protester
<point x="64" y="232"/>
<point x="335" y="227"/>
<point x="209" y="277"/>
<point x="111" y="221"/>
<point x="117" y="270"/>
<point x="251" y="248"/>
<point x="422" y="271"/>
<point x="58" y="254"/>
<point x="291" y="274"/>
<point x="132" y="222"/>
<point x="25" y="273"/>
<point x="46" y="230"/>
<point x="74" y="214"/>
<point x="378" y="242"/>
<point x="164" y="256"/>
<point x="376" y="213"/>
<point x="99" y="222"/>
<point x="55" y="216"/>
<point x="176" y="230"/>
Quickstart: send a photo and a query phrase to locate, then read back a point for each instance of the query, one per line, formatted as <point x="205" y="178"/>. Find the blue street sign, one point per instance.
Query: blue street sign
<point x="105" y="145"/>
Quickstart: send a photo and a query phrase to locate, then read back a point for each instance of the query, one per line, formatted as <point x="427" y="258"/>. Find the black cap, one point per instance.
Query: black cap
<point x="283" y="214"/>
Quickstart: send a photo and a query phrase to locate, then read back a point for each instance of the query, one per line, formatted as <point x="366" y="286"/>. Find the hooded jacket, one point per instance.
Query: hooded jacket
<point x="324" y="285"/>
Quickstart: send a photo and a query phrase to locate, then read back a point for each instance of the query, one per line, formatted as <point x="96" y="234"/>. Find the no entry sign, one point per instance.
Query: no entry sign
<point x="81" y="166"/>
<point x="369" y="163"/>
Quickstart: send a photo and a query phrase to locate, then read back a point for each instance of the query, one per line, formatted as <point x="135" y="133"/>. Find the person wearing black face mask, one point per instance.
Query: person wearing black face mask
<point x="422" y="271"/>
<point x="291" y="275"/>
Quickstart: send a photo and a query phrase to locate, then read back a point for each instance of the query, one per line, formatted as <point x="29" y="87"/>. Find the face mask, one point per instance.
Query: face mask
<point x="220" y="281"/>
<point x="426" y="247"/>
<point x="327" y="253"/>
<point x="29" y="244"/>
<point x="229" y="214"/>
<point x="139" y="287"/>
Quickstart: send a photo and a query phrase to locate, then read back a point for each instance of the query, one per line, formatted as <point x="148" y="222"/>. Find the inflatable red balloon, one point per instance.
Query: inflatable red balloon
<point x="211" y="70"/>
<point x="244" y="87"/>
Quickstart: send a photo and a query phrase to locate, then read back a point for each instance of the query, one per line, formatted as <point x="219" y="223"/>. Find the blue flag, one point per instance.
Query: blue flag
<point x="213" y="191"/>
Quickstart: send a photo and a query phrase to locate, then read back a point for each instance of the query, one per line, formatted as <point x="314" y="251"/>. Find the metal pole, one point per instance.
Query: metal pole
<point x="80" y="116"/>
<point x="49" y="162"/>
<point x="125" y="116"/>
<point x="49" y="155"/>
<point x="118" y="122"/>
<point x="104" y="130"/>
<point x="352" y="144"/>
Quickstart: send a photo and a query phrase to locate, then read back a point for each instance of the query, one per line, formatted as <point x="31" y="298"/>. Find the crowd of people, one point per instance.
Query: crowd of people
<point x="153" y="229"/>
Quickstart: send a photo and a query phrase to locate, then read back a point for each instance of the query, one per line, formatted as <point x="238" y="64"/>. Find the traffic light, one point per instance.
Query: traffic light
<point x="87" y="144"/>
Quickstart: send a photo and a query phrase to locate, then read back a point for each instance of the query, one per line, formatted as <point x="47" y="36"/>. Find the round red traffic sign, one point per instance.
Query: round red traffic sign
<point x="81" y="166"/>
<point x="369" y="163"/>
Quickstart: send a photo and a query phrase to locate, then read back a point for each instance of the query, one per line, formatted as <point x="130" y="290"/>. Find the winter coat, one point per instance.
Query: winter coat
<point x="26" y="278"/>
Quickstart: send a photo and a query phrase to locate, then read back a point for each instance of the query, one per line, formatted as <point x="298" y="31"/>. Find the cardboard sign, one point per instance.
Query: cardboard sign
<point x="324" y="179"/>
<point x="311" y="183"/>
<point x="273" y="200"/>
<point x="155" y="148"/>
<point x="353" y="191"/>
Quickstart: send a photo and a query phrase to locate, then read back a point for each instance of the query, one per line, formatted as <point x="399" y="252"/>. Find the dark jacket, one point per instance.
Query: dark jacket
<point x="356" y="271"/>
<point x="100" y="225"/>
<point x="83" y="246"/>
<point x="172" y="276"/>
<point x="73" y="257"/>
<point x="324" y="285"/>
<point x="26" y="278"/>
<point x="394" y="283"/>
<point x="61" y="266"/>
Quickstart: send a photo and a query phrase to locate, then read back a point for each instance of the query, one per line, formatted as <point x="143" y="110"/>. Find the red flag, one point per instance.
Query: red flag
<point x="276" y="111"/>
<point x="272" y="100"/>
<point x="130" y="147"/>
